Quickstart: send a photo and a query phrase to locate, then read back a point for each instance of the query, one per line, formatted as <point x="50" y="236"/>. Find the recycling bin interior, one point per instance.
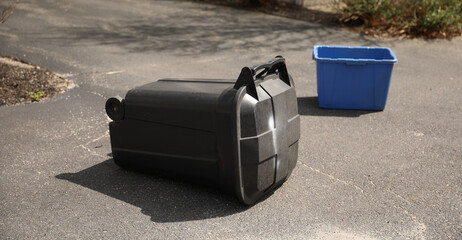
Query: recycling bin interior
<point x="353" y="77"/>
<point x="239" y="135"/>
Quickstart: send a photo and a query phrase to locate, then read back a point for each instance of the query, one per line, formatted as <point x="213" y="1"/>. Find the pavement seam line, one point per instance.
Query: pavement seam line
<point x="98" y="138"/>
<point x="92" y="152"/>
<point x="370" y="181"/>
<point x="420" y="227"/>
<point x="348" y="183"/>
<point x="399" y="196"/>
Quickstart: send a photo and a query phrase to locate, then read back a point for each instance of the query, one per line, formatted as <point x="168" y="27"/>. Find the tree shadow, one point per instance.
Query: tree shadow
<point x="287" y="9"/>
<point x="310" y="106"/>
<point x="162" y="199"/>
<point x="202" y="29"/>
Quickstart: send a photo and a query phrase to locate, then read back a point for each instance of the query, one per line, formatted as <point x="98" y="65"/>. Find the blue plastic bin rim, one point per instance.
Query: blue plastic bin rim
<point x="358" y="60"/>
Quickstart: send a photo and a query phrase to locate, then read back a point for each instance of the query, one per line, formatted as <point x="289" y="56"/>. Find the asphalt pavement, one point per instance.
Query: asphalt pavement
<point x="394" y="174"/>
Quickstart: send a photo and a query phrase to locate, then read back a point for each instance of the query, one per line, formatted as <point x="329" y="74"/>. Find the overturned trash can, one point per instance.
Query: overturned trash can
<point x="241" y="136"/>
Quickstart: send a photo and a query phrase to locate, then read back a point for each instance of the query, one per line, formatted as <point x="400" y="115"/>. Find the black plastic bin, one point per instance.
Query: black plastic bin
<point x="241" y="136"/>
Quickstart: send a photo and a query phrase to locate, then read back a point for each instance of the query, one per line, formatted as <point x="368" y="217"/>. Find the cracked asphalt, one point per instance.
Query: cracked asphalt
<point x="395" y="174"/>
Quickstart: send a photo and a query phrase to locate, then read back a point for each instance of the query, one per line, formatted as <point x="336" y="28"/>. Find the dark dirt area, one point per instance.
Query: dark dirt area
<point x="21" y="82"/>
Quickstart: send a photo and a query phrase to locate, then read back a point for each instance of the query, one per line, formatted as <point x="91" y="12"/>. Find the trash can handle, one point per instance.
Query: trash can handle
<point x="268" y="65"/>
<point x="247" y="76"/>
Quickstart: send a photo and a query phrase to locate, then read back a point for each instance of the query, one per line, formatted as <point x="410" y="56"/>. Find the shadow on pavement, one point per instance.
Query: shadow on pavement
<point x="162" y="199"/>
<point x="202" y="29"/>
<point x="309" y="106"/>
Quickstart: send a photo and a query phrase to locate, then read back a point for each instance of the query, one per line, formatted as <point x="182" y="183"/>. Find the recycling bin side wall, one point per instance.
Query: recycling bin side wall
<point x="353" y="77"/>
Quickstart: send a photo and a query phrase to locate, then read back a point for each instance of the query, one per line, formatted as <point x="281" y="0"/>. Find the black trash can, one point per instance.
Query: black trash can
<point x="241" y="136"/>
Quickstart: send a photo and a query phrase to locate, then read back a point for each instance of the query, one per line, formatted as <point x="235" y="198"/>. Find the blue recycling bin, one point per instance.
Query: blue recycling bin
<point x="353" y="77"/>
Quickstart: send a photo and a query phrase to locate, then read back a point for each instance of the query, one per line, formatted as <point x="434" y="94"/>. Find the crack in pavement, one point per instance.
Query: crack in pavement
<point x="348" y="183"/>
<point x="419" y="228"/>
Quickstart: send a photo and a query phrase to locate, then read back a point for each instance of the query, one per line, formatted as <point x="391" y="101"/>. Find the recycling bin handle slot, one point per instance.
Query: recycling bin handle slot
<point x="247" y="76"/>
